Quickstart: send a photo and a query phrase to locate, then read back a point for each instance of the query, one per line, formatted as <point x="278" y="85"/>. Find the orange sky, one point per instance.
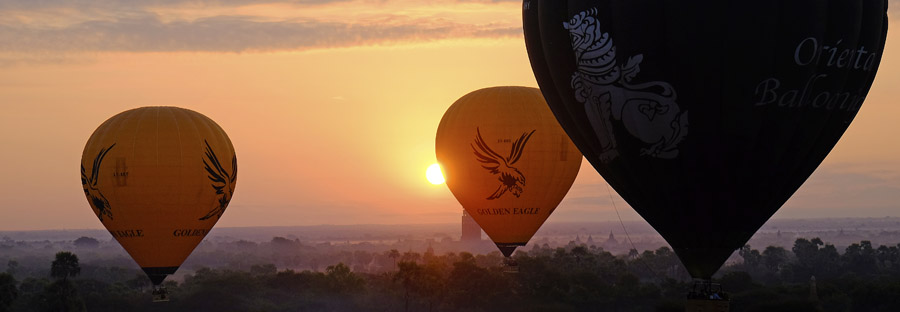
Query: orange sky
<point x="332" y="107"/>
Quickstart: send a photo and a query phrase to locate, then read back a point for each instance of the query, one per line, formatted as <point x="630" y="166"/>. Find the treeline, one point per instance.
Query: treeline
<point x="862" y="278"/>
<point x="571" y="278"/>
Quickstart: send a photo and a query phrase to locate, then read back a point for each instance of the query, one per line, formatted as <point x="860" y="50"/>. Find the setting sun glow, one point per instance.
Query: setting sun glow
<point x="434" y="175"/>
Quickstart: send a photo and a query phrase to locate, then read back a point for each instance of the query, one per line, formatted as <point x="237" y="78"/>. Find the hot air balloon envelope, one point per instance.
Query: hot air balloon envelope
<point x="507" y="161"/>
<point x="706" y="116"/>
<point x="159" y="178"/>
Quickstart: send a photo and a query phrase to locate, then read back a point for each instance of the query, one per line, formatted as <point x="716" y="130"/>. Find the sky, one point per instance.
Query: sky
<point x="332" y="106"/>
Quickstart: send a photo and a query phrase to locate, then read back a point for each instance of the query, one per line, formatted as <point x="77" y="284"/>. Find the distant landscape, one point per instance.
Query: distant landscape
<point x="425" y="267"/>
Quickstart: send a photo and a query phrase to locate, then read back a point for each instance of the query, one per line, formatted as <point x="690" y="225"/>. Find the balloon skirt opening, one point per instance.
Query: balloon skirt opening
<point x="507" y="248"/>
<point x="158" y="274"/>
<point x="702" y="263"/>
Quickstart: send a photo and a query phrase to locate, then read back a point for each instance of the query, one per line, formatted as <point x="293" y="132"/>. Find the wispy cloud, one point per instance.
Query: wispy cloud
<point x="16" y="59"/>
<point x="237" y="25"/>
<point x="120" y="4"/>
<point x="41" y="4"/>
<point x="232" y="34"/>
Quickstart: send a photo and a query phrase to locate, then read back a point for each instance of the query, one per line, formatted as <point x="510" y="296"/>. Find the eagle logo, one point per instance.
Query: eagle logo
<point x="511" y="179"/>
<point x="97" y="200"/>
<point x="222" y="181"/>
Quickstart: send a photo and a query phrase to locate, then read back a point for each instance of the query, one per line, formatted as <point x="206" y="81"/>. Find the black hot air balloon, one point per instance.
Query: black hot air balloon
<point x="706" y="116"/>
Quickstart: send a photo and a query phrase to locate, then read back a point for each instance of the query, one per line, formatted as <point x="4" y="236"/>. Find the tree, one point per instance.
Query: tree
<point x="752" y="257"/>
<point x="86" y="242"/>
<point x="887" y="256"/>
<point x="12" y="266"/>
<point x="8" y="291"/>
<point x="813" y="260"/>
<point x="431" y="282"/>
<point x="341" y="280"/>
<point x="410" y="256"/>
<point x="65" y="265"/>
<point x="806" y="250"/>
<point x="61" y="295"/>
<point x="773" y="258"/>
<point x="738" y="281"/>
<point x="394" y="254"/>
<point x="263" y="270"/>
<point x="471" y="286"/>
<point x="278" y="240"/>
<point x="860" y="258"/>
<point x="407" y="273"/>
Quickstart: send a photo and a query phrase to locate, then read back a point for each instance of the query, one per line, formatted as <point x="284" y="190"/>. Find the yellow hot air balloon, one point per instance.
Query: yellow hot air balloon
<point x="159" y="178"/>
<point x="506" y="160"/>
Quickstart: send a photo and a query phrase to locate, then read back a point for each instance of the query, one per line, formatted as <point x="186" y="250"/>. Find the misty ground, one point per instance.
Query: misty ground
<point x="566" y="267"/>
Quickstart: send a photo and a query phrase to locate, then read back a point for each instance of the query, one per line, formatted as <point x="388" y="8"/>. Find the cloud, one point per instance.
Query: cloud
<point x="120" y="4"/>
<point x="15" y="59"/>
<point x="60" y="27"/>
<point x="148" y="33"/>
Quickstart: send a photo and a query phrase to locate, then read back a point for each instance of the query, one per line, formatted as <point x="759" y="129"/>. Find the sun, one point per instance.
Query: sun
<point x="434" y="175"/>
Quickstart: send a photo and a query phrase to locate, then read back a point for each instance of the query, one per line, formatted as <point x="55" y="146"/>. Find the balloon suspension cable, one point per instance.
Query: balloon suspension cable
<point x="611" y="200"/>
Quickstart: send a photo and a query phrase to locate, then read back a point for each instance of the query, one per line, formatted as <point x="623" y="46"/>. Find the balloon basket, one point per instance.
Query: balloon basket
<point x="160" y="294"/>
<point x="706" y="296"/>
<point x="509" y="266"/>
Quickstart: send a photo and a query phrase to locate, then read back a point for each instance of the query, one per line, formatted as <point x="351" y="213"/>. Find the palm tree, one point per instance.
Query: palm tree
<point x="65" y="265"/>
<point x="394" y="254"/>
<point x="61" y="295"/>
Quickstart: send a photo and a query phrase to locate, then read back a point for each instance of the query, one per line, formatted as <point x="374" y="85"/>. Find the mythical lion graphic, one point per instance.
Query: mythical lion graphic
<point x="223" y="181"/>
<point x="97" y="200"/>
<point x="647" y="110"/>
<point x="511" y="179"/>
